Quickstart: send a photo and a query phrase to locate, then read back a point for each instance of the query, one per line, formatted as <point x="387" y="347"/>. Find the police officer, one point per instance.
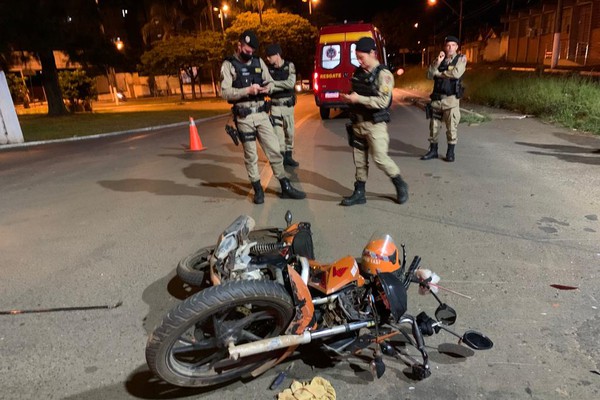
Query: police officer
<point x="370" y="101"/>
<point x="283" y="99"/>
<point x="245" y="81"/>
<point x="446" y="71"/>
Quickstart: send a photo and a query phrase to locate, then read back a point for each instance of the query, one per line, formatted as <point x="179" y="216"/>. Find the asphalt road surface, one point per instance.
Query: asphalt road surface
<point x="102" y="221"/>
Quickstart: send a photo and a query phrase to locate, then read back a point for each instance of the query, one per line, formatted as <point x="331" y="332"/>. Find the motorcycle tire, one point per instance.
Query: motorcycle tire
<point x="193" y="269"/>
<point x="189" y="348"/>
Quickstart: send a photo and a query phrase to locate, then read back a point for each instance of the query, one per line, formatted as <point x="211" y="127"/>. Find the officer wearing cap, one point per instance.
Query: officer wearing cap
<point x="283" y="99"/>
<point x="245" y="81"/>
<point x="446" y="71"/>
<point x="370" y="101"/>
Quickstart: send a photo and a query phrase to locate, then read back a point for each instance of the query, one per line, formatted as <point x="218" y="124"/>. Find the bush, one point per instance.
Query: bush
<point x="78" y="89"/>
<point x="18" y="89"/>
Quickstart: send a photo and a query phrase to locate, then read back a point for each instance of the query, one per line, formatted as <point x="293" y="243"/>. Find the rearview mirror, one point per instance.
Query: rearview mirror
<point x="477" y="341"/>
<point x="445" y="314"/>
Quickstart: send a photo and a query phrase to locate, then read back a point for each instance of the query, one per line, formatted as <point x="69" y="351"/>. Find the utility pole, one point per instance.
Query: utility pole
<point x="557" y="29"/>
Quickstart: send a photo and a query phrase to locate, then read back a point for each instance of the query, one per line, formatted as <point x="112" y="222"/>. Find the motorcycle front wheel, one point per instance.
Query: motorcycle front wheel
<point x="193" y="269"/>
<point x="189" y="348"/>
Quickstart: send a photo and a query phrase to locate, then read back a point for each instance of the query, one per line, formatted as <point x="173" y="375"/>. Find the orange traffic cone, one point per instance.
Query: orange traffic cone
<point x="195" y="142"/>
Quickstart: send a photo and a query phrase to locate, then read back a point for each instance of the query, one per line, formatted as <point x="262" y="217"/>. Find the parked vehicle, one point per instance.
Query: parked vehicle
<point x="243" y="327"/>
<point x="335" y="62"/>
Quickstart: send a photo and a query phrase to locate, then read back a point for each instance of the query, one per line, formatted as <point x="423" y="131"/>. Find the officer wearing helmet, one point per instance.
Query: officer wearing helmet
<point x="370" y="101"/>
<point x="446" y="71"/>
<point x="283" y="100"/>
<point x="245" y="81"/>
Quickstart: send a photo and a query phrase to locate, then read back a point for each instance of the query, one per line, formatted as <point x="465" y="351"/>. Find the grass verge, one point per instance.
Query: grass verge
<point x="570" y="100"/>
<point x="106" y="118"/>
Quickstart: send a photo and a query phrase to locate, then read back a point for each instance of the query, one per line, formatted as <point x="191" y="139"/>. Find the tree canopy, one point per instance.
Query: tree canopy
<point x="295" y="34"/>
<point x="42" y="26"/>
<point x="170" y="56"/>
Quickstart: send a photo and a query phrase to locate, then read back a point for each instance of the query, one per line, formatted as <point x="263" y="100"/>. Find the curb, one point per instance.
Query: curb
<point x="104" y="135"/>
<point x="420" y="102"/>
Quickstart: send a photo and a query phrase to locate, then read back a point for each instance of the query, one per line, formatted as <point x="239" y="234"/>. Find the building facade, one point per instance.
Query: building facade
<point x="531" y="34"/>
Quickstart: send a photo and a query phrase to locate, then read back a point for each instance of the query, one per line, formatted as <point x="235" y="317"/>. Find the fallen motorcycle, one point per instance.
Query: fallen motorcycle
<point x="243" y="252"/>
<point x="242" y="328"/>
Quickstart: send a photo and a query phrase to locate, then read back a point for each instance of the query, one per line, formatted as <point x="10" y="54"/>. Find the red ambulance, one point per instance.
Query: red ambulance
<point x="335" y="62"/>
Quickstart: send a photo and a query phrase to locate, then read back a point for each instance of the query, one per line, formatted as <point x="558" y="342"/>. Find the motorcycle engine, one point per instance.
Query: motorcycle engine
<point x="349" y="306"/>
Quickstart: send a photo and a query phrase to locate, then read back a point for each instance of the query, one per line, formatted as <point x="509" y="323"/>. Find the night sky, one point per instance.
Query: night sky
<point x="474" y="11"/>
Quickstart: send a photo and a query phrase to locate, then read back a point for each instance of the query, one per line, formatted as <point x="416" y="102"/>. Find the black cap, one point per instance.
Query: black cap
<point x="249" y="37"/>
<point x="365" y="44"/>
<point x="273" y="49"/>
<point x="452" y="39"/>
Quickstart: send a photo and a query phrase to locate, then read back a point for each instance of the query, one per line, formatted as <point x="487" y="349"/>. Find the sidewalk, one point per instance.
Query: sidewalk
<point x="420" y="99"/>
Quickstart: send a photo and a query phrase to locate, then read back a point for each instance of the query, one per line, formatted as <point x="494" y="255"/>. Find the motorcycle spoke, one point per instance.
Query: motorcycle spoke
<point x="192" y="345"/>
<point x="208" y="363"/>
<point x="251" y="337"/>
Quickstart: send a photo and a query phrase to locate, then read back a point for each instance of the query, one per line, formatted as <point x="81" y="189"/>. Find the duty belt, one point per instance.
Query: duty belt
<point x="240" y="111"/>
<point x="279" y="102"/>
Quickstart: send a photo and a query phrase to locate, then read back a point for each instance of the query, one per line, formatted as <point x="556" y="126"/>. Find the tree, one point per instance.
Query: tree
<point x="295" y="34"/>
<point x="78" y="88"/>
<point x="258" y="5"/>
<point x="184" y="53"/>
<point x="18" y="89"/>
<point x="400" y="36"/>
<point x="43" y="26"/>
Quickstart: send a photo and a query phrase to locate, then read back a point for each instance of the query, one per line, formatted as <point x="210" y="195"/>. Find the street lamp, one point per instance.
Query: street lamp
<point x="459" y="13"/>
<point x="221" y="11"/>
<point x="119" y="44"/>
<point x="309" y="5"/>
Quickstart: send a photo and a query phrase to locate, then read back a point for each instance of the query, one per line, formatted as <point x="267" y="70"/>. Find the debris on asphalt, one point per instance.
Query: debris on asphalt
<point x="317" y="389"/>
<point x="57" y="309"/>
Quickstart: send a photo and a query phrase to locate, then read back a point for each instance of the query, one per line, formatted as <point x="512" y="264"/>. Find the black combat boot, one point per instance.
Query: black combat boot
<point x="358" y="197"/>
<point x="401" y="189"/>
<point x="259" y="194"/>
<point x="288" y="191"/>
<point x="450" y="153"/>
<point x="288" y="160"/>
<point x="432" y="153"/>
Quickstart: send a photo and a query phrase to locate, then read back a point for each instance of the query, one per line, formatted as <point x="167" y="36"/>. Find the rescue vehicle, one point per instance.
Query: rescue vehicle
<point x="335" y="62"/>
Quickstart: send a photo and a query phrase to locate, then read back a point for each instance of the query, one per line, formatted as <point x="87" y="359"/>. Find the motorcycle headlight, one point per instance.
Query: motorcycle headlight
<point x="226" y="245"/>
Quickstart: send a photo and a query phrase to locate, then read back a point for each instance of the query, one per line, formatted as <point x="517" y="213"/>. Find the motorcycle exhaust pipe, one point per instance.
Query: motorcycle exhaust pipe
<point x="283" y="341"/>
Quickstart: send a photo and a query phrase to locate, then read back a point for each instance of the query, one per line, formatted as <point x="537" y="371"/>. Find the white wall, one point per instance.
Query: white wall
<point x="10" y="129"/>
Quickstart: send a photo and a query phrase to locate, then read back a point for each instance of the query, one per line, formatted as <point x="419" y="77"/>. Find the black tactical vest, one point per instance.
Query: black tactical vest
<point x="364" y="83"/>
<point x="281" y="74"/>
<point x="245" y="76"/>
<point x="445" y="86"/>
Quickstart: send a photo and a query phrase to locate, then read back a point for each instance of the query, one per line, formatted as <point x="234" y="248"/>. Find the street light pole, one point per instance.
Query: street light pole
<point x="309" y="5"/>
<point x="458" y="13"/>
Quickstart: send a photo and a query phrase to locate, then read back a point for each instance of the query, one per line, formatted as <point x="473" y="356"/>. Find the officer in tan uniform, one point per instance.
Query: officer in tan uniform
<point x="446" y="71"/>
<point x="370" y="101"/>
<point x="245" y="81"/>
<point x="283" y="99"/>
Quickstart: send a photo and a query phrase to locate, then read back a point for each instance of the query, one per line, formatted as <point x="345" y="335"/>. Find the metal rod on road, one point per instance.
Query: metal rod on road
<point x="57" y="309"/>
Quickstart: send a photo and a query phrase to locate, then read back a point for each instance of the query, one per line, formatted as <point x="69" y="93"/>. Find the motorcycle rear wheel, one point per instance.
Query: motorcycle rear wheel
<point x="189" y="348"/>
<point x="193" y="269"/>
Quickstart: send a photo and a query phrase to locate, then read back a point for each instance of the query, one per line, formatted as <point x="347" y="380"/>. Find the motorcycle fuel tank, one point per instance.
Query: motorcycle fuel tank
<point x="332" y="277"/>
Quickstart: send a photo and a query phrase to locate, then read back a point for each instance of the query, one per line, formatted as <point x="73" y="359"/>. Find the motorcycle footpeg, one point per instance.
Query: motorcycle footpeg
<point x="420" y="372"/>
<point x="377" y="367"/>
